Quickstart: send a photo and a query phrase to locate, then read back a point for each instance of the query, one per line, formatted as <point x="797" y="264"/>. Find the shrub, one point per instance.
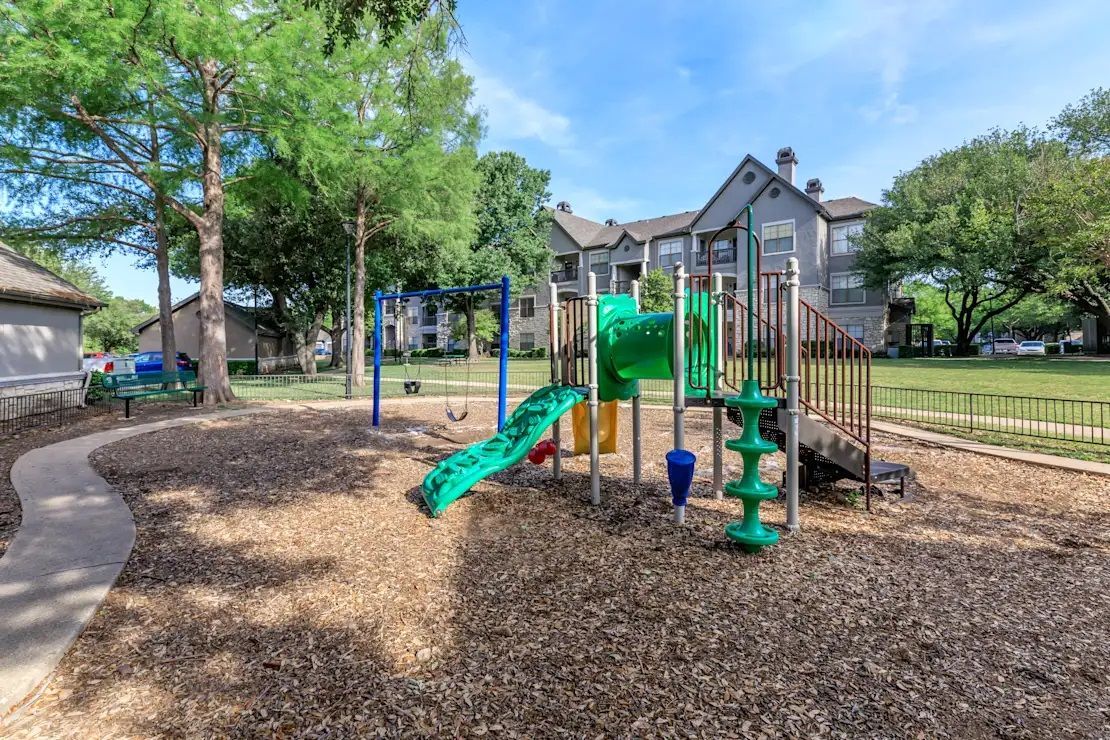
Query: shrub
<point x="496" y="352"/>
<point x="241" y="367"/>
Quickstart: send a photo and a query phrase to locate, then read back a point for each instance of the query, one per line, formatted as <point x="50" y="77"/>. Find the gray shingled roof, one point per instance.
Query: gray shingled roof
<point x="847" y="207"/>
<point x="242" y="313"/>
<point x="23" y="279"/>
<point x="592" y="234"/>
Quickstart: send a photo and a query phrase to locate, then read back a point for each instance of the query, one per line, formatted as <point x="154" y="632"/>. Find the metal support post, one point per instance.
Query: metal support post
<point x="591" y="311"/>
<point x="637" y="427"/>
<point x="347" y="327"/>
<point x="503" y="359"/>
<point x="793" y="378"/>
<point x="377" y="421"/>
<point x="556" y="365"/>
<point x="717" y="303"/>
<point x="679" y="361"/>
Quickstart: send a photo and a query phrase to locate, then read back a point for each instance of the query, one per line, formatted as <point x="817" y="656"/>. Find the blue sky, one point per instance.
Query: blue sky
<point x="642" y="108"/>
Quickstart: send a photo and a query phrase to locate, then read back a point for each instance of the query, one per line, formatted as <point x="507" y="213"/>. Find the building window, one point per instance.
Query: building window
<point x="841" y="238"/>
<point x="855" y="331"/>
<point x="429" y="341"/>
<point x="778" y="238"/>
<point x="670" y="253"/>
<point x="527" y="340"/>
<point x="847" y="288"/>
<point x="599" y="262"/>
<point x="527" y="307"/>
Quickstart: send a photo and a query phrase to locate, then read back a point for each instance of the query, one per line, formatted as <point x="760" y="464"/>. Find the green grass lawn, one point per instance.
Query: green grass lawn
<point x="1025" y="376"/>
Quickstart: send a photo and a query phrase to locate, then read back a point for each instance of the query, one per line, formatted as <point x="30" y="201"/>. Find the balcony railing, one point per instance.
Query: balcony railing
<point x="622" y="286"/>
<point x="720" y="256"/>
<point x="565" y="275"/>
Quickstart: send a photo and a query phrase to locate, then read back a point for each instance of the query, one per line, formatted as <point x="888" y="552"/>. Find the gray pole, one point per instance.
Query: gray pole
<point x="678" y="363"/>
<point x="793" y="378"/>
<point x="347" y="328"/>
<point x="637" y="428"/>
<point x="556" y="370"/>
<point x="717" y="299"/>
<point x="591" y="310"/>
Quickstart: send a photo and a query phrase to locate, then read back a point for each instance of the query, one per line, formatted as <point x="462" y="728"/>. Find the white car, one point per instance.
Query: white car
<point x="1004" y="346"/>
<point x="1031" y="348"/>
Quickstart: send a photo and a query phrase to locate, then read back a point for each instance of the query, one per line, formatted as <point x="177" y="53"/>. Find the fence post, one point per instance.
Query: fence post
<point x="970" y="411"/>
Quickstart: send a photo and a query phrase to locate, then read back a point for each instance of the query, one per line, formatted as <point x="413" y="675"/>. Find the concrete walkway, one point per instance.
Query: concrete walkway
<point x="1036" y="458"/>
<point x="74" y="539"/>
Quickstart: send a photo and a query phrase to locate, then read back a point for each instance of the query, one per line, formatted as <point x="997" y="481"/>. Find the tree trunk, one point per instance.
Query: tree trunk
<point x="307" y="356"/>
<point x="165" y="299"/>
<point x="162" y="263"/>
<point x="358" y="295"/>
<point x="213" y="336"/>
<point x="471" y="330"/>
<point x="336" y="339"/>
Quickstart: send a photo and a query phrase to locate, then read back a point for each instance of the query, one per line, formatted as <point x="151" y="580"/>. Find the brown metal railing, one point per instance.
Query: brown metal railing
<point x="835" y="374"/>
<point x="575" y="341"/>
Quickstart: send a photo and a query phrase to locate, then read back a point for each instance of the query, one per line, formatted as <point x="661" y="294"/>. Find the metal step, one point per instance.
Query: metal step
<point x="825" y="455"/>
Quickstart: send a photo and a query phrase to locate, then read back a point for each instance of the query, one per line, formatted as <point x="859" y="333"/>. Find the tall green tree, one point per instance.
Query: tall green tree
<point x="406" y="177"/>
<point x="958" y="221"/>
<point x="1070" y="212"/>
<point x="656" y="292"/>
<point x="512" y="233"/>
<point x="111" y="328"/>
<point x="87" y="80"/>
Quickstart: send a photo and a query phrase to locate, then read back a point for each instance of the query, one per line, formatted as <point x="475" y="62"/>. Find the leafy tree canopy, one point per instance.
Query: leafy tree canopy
<point x="957" y="222"/>
<point x="656" y="291"/>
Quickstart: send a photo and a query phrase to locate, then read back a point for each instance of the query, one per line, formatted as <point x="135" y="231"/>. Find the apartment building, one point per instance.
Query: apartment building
<point x="790" y="221"/>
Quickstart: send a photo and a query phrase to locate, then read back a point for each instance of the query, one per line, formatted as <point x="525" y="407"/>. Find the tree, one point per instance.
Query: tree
<point x="1038" y="317"/>
<point x="1070" y="213"/>
<point x="930" y="308"/>
<point x="346" y="18"/>
<point x="486" y="329"/>
<point x="512" y="233"/>
<point x="1085" y="126"/>
<point x="656" y="292"/>
<point x="958" y="221"/>
<point x="408" y="176"/>
<point x="111" y="328"/>
<point x="88" y="80"/>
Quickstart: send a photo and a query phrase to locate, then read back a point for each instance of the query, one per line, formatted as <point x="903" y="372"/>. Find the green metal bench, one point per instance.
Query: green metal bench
<point x="146" y="385"/>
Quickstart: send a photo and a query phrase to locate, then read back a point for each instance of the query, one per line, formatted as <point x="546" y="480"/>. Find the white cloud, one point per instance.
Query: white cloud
<point x="510" y="116"/>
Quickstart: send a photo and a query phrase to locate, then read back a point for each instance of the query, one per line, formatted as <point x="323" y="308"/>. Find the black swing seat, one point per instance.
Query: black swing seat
<point x="456" y="419"/>
<point x="412" y="386"/>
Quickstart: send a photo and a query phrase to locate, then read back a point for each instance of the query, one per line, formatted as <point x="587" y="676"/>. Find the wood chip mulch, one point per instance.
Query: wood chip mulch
<point x="287" y="582"/>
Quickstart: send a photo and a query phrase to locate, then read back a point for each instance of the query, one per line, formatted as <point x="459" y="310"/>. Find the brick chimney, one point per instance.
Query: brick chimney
<point x="787" y="163"/>
<point x="814" y="188"/>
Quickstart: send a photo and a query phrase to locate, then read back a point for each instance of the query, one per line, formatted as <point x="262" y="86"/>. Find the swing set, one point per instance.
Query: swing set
<point x="413" y="385"/>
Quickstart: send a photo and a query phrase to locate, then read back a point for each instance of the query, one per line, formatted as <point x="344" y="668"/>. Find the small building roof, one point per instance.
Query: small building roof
<point x="234" y="310"/>
<point x="24" y="280"/>
<point x="849" y="207"/>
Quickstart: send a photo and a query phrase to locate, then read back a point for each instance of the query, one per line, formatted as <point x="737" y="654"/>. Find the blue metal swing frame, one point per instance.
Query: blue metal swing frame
<point x="503" y="364"/>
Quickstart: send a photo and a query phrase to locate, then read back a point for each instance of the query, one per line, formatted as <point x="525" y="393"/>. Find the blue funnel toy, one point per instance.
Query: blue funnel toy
<point x="680" y="473"/>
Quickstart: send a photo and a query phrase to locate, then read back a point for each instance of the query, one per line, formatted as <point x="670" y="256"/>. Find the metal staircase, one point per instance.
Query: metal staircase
<point x="835" y="384"/>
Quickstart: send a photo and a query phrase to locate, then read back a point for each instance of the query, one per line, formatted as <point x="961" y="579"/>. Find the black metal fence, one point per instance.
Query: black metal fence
<point x="48" y="408"/>
<point x="1060" y="419"/>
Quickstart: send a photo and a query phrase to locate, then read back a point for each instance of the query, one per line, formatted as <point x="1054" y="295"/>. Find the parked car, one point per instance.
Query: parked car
<point x="941" y="343"/>
<point x="1031" y="348"/>
<point x="1001" y="346"/>
<point x="151" y="362"/>
<point x="105" y="363"/>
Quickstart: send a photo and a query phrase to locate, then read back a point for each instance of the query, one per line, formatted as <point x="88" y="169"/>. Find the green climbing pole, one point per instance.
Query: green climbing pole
<point x="750" y="489"/>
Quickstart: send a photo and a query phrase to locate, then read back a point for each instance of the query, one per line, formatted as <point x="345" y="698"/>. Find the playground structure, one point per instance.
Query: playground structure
<point x="413" y="385"/>
<point x="767" y="360"/>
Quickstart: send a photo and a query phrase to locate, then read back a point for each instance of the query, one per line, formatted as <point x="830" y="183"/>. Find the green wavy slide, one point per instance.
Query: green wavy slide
<point x="454" y="476"/>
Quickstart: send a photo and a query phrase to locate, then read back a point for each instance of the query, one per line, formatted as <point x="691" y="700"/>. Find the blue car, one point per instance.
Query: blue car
<point x="151" y="362"/>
